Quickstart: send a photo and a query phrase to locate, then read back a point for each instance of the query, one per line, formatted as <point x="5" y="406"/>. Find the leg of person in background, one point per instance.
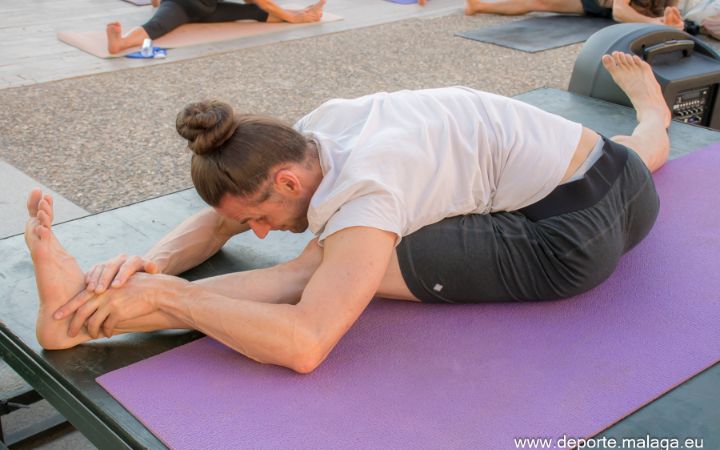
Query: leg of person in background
<point x="673" y="18"/>
<point x="168" y="16"/>
<point x="518" y="7"/>
<point x="171" y="15"/>
<point x="312" y="13"/>
<point x="230" y="12"/>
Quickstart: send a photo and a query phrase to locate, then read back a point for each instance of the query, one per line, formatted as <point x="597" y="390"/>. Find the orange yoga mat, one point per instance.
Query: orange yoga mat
<point x="95" y="42"/>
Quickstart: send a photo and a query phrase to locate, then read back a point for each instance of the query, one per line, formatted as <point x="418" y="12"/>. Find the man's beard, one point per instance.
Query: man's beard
<point x="300" y="222"/>
<point x="299" y="225"/>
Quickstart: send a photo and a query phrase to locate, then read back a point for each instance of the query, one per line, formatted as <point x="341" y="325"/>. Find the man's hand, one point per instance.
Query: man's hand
<point x="104" y="311"/>
<point x="116" y="272"/>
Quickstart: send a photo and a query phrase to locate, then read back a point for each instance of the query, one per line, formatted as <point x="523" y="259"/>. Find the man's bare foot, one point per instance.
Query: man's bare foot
<point x="114" y="37"/>
<point x="635" y="77"/>
<point x="649" y="139"/>
<point x="57" y="274"/>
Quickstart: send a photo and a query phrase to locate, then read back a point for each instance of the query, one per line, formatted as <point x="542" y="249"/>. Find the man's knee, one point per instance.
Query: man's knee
<point x="654" y="153"/>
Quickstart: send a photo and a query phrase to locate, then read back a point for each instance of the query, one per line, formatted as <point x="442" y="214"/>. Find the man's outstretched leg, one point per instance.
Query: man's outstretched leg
<point x="635" y="77"/>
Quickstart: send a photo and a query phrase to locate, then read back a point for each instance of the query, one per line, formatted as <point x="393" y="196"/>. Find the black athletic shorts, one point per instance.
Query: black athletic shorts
<point x="173" y="13"/>
<point x="565" y="244"/>
<point x="592" y="8"/>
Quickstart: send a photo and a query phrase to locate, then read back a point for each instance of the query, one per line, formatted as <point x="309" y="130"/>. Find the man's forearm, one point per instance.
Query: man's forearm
<point x="282" y="283"/>
<point x="192" y="242"/>
<point x="151" y="322"/>
<point x="266" y="332"/>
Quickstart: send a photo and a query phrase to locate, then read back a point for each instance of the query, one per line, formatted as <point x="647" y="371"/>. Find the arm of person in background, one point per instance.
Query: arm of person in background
<point x="188" y="245"/>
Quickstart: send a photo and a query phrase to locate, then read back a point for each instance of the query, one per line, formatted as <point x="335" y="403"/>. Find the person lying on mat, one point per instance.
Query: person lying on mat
<point x="445" y="195"/>
<point x="663" y="12"/>
<point x="173" y="13"/>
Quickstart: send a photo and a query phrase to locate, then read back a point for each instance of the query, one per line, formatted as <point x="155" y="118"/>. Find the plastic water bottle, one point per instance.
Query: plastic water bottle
<point x="147" y="48"/>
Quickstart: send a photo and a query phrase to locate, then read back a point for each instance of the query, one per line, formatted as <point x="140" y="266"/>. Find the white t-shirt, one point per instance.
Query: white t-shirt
<point x="403" y="160"/>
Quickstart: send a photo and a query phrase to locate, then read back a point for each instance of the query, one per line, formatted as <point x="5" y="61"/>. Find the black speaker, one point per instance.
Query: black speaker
<point x="687" y="69"/>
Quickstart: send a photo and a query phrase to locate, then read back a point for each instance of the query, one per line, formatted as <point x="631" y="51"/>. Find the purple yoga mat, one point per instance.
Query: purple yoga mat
<point x="468" y="376"/>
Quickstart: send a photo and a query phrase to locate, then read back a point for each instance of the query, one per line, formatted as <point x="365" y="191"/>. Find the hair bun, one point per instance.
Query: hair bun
<point x="206" y="125"/>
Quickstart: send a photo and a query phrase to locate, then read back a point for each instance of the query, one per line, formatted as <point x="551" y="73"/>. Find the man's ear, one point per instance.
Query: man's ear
<point x="287" y="182"/>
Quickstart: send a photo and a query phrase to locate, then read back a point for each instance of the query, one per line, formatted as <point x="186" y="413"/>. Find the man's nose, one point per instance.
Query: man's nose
<point x="260" y="230"/>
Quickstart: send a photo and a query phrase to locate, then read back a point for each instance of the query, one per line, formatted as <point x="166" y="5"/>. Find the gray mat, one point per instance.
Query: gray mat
<point x="539" y="33"/>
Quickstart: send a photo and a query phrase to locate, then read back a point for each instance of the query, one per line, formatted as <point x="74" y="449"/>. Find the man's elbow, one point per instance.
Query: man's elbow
<point x="306" y="360"/>
<point x="305" y="365"/>
<point x="310" y="350"/>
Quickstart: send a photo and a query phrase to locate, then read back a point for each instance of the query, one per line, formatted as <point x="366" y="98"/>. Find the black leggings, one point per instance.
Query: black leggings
<point x="173" y="13"/>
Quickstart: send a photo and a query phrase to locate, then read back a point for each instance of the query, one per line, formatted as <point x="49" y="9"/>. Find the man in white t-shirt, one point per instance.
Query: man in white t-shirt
<point x="444" y="195"/>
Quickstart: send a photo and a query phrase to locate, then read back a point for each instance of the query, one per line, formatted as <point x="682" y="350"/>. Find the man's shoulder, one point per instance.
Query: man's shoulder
<point x="339" y="111"/>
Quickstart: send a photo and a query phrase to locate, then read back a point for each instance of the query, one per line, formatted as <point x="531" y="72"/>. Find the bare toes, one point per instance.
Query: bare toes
<point x="634" y="61"/>
<point x="43" y="217"/>
<point x="616" y="59"/>
<point x="33" y="200"/>
<point x="45" y="205"/>
<point x="627" y="60"/>
<point x="42" y="232"/>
